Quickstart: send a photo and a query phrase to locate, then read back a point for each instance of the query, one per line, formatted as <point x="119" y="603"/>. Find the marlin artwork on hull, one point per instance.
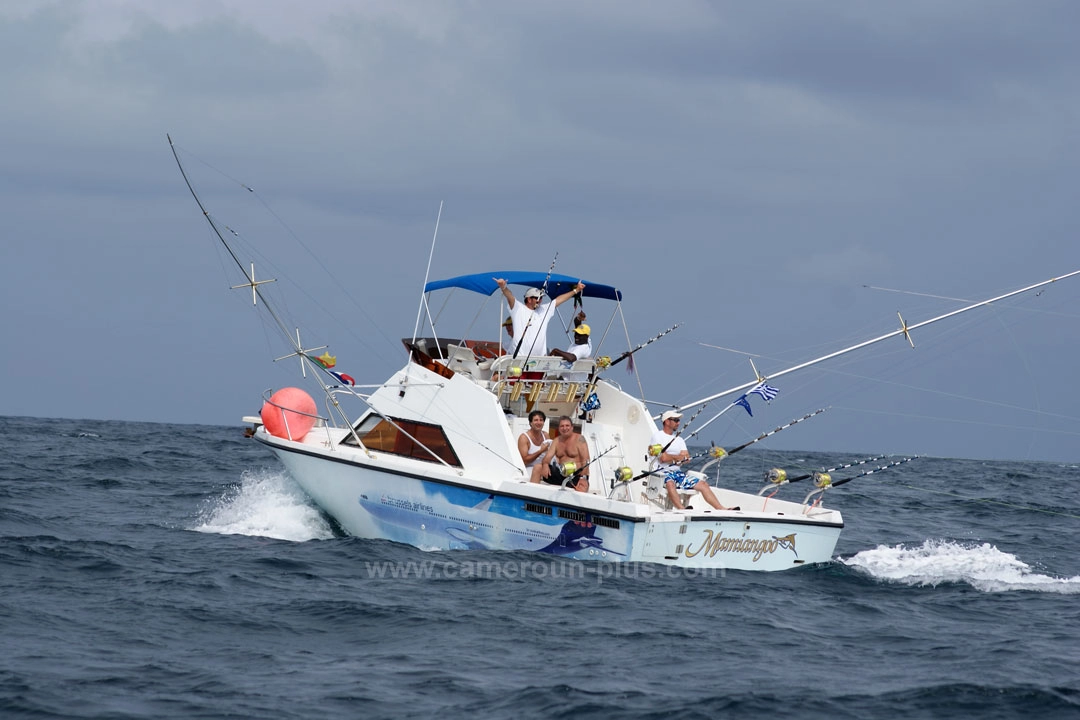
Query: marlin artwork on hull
<point x="431" y="457"/>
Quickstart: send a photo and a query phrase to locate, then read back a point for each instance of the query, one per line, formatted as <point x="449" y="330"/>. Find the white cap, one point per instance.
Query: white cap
<point x="670" y="414"/>
<point x="534" y="292"/>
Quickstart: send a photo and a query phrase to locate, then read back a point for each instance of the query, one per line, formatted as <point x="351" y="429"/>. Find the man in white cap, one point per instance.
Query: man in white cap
<point x="531" y="317"/>
<point x="669" y="452"/>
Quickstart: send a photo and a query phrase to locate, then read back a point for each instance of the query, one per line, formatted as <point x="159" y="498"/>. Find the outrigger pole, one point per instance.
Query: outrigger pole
<point x="256" y="293"/>
<point x="252" y="283"/>
<point x="904" y="330"/>
<point x="298" y="348"/>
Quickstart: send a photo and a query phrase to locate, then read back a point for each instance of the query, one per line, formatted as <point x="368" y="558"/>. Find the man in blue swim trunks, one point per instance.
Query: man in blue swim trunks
<point x="672" y="454"/>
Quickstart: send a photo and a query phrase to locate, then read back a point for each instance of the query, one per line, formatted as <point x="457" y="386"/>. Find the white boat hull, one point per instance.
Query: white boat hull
<point x="438" y="510"/>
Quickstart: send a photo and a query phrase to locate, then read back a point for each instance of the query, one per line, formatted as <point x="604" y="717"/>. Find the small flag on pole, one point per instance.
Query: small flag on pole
<point x="343" y="378"/>
<point x="745" y="405"/>
<point x="767" y="392"/>
<point x="326" y="360"/>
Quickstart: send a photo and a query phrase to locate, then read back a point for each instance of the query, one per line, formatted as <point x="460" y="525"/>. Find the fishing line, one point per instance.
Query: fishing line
<point x="931" y="391"/>
<point x="341" y="324"/>
<point x="993" y="502"/>
<point x="963" y="300"/>
<point x="962" y="422"/>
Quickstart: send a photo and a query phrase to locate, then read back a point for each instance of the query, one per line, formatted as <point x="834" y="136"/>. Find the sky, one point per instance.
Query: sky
<point x="778" y="178"/>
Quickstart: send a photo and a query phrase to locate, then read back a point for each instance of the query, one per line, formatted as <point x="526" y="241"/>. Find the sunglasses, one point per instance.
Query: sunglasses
<point x="674" y="420"/>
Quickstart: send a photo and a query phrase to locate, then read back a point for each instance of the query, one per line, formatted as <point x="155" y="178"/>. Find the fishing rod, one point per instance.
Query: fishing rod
<point x="722" y="454"/>
<point x="825" y="482"/>
<point x="685" y="425"/>
<point x="572" y="471"/>
<point x="778" y="476"/>
<point x="664" y="449"/>
<point x="846" y="480"/>
<point x="608" y="362"/>
<point x="525" y="330"/>
<point x="604" y="362"/>
<point x="719" y="453"/>
<point x="904" y="330"/>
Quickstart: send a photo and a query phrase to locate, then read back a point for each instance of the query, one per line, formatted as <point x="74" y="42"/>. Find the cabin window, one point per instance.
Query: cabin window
<point x="379" y="434"/>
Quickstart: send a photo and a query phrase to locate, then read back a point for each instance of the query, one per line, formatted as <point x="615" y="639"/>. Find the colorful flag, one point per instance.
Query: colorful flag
<point x="745" y="404"/>
<point x="326" y="360"/>
<point x="767" y="392"/>
<point x="343" y="378"/>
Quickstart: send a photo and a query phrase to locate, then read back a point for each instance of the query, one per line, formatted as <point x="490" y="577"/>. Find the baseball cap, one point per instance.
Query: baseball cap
<point x="582" y="329"/>
<point x="534" y="292"/>
<point x="670" y="414"/>
<point x="508" y="321"/>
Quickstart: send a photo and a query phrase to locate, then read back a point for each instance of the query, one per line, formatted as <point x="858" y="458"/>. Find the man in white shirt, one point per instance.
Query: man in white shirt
<point x="531" y="317"/>
<point x="669" y="451"/>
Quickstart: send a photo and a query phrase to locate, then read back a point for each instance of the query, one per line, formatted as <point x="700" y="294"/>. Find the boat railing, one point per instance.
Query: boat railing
<point x="319" y="421"/>
<point x="557" y="391"/>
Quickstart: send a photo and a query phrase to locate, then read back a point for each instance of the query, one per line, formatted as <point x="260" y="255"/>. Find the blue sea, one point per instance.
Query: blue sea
<point x="175" y="571"/>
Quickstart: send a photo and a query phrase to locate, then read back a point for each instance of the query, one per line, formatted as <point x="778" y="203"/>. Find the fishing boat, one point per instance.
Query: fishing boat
<point x="429" y="457"/>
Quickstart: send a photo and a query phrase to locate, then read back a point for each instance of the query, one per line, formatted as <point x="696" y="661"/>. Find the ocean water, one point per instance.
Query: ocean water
<point x="175" y="571"/>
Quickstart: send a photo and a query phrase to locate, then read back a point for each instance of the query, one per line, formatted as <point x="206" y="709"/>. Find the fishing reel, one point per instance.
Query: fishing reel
<point x="603" y="362"/>
<point x="822" y="480"/>
<point x="656" y="450"/>
<point x="624" y="474"/>
<point x="776" y="476"/>
<point x="716" y="452"/>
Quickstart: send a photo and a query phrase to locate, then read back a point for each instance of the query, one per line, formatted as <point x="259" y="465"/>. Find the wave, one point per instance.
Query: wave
<point x="983" y="567"/>
<point x="267" y="503"/>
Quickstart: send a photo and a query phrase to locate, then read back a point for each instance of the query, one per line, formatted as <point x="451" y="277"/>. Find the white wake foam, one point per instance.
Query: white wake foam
<point x="267" y="504"/>
<point x="984" y="567"/>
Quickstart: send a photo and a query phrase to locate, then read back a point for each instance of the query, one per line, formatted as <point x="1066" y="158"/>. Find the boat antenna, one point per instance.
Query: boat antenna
<point x="517" y="349"/>
<point x="427" y="273"/>
<point x="904" y="330"/>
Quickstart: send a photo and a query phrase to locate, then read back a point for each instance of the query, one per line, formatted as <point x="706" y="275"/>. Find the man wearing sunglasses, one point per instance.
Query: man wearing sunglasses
<point x="669" y="451"/>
